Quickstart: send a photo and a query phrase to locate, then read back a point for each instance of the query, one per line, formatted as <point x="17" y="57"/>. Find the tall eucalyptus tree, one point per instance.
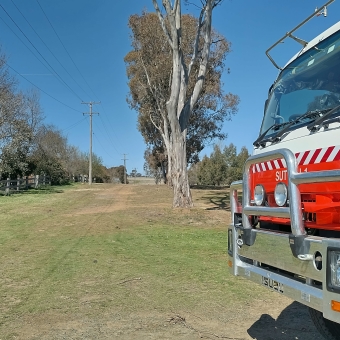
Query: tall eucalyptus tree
<point x="174" y="72"/>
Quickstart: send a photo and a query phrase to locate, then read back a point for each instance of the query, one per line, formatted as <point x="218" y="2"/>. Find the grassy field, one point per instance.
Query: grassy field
<point x="115" y="261"/>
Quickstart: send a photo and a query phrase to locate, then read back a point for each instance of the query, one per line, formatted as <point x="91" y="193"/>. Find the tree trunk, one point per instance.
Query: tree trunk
<point x="179" y="176"/>
<point x="180" y="103"/>
<point x="164" y="171"/>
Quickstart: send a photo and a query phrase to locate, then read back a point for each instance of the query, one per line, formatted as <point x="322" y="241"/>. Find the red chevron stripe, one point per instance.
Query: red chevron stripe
<point x="304" y="157"/>
<point x="337" y="157"/>
<point x="279" y="164"/>
<point x="316" y="154"/>
<point x="327" y="153"/>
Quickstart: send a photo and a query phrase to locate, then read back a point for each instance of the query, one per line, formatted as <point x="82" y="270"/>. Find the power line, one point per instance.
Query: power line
<point x="99" y="127"/>
<point x="103" y="148"/>
<point x="112" y="129"/>
<point x="74" y="125"/>
<point x="22" y="41"/>
<point x="53" y="70"/>
<point x="105" y="128"/>
<point x="42" y="89"/>
<point x="65" y="48"/>
<point x="48" y="48"/>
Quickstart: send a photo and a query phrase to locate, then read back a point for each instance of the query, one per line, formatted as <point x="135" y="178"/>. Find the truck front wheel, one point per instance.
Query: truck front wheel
<point x="329" y="329"/>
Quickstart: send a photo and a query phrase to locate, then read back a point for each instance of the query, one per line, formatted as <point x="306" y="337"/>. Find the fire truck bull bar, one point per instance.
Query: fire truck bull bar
<point x="286" y="263"/>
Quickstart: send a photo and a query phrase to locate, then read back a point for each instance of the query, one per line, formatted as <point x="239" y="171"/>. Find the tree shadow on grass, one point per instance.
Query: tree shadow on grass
<point x="220" y="200"/>
<point x="293" y="323"/>
<point x="208" y="187"/>
<point x="43" y="191"/>
<point x="40" y="191"/>
<point x="219" y="196"/>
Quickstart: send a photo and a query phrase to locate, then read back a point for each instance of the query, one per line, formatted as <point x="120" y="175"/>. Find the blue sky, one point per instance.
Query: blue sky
<point x="96" y="37"/>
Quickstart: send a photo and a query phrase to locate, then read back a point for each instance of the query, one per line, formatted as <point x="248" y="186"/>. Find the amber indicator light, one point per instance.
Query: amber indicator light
<point x="335" y="305"/>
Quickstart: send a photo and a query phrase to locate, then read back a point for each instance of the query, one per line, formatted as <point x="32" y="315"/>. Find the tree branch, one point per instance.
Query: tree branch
<point x="205" y="53"/>
<point x="153" y="92"/>
<point x="192" y="100"/>
<point x="198" y="33"/>
<point x="193" y="4"/>
<point x="217" y="41"/>
<point x="167" y="6"/>
<point x="162" y="21"/>
<point x="155" y="125"/>
<point x="176" y="4"/>
<point x="217" y="3"/>
<point x="146" y="74"/>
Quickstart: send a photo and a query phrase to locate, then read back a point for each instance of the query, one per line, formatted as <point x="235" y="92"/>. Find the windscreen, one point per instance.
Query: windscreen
<point x="310" y="83"/>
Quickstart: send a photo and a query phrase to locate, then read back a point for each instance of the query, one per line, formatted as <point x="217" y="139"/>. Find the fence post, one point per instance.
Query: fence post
<point x="18" y="183"/>
<point x="8" y="183"/>
<point x="36" y="181"/>
<point x="26" y="182"/>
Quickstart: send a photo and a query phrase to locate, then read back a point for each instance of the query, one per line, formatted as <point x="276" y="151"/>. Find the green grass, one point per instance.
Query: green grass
<point x="73" y="252"/>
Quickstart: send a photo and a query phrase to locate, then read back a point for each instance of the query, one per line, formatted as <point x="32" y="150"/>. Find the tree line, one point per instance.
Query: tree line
<point x="28" y="146"/>
<point x="222" y="167"/>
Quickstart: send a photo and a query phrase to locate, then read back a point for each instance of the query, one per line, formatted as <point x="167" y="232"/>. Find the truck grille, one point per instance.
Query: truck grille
<point x="309" y="217"/>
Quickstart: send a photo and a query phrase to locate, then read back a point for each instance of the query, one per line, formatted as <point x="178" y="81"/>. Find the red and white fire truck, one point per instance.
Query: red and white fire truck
<point x="285" y="231"/>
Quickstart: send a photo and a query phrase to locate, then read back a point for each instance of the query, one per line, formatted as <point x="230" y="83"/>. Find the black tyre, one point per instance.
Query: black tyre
<point x="330" y="330"/>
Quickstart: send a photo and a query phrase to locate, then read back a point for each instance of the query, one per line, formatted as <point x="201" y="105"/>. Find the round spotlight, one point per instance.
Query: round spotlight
<point x="259" y="195"/>
<point x="281" y="194"/>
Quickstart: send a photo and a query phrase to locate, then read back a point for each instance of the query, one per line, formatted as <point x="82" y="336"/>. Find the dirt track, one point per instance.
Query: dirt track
<point x="261" y="321"/>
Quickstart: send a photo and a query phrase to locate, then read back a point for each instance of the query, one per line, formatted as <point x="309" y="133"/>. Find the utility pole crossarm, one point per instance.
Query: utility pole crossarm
<point x="90" y="104"/>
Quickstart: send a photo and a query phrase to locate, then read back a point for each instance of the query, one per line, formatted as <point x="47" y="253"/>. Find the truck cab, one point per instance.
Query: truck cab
<point x="285" y="230"/>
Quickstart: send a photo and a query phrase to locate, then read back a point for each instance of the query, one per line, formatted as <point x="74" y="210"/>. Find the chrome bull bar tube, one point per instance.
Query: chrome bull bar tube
<point x="234" y="204"/>
<point x="294" y="211"/>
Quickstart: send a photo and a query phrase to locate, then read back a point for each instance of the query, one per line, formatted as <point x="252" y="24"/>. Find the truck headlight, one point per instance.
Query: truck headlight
<point x="281" y="194"/>
<point x="259" y="194"/>
<point x="334" y="268"/>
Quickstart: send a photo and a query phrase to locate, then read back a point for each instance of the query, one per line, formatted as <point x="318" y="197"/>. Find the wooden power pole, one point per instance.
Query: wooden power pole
<point x="90" y="155"/>
<point x="124" y="159"/>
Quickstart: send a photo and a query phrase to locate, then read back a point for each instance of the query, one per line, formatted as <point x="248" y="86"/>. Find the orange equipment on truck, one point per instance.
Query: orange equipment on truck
<point x="285" y="234"/>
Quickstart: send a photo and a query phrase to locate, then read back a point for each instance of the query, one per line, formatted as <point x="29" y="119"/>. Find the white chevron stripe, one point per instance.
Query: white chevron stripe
<point x="274" y="164"/>
<point x="299" y="158"/>
<point x="333" y="154"/>
<point x="321" y="154"/>
<point x="309" y="157"/>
